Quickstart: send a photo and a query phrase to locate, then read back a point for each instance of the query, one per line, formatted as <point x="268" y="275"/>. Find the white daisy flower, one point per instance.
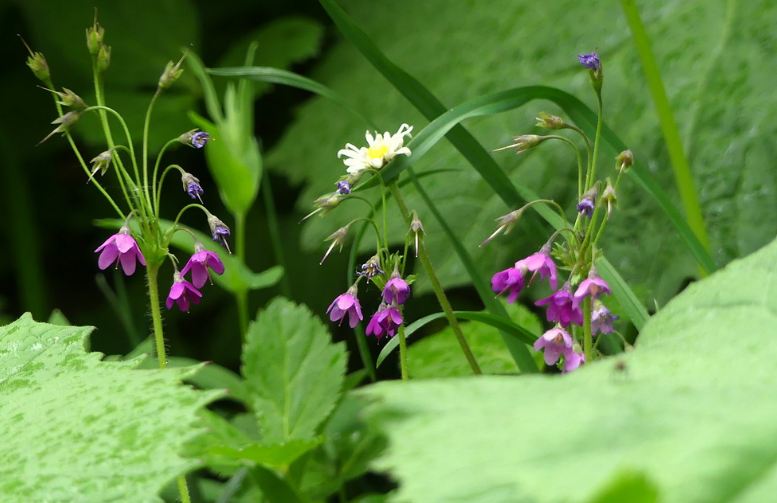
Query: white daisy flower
<point x="379" y="151"/>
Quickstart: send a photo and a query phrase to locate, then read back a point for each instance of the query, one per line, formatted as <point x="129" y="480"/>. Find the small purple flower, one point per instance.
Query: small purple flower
<point x="562" y="307"/>
<point x="191" y="184"/>
<point x="346" y="304"/>
<point x="219" y="231"/>
<point x="554" y="343"/>
<point x="182" y="293"/>
<point x="572" y="360"/>
<point x="602" y="320"/>
<point x="593" y="287"/>
<point x="343" y="187"/>
<point x="199" y="139"/>
<point x="508" y="280"/>
<point x="540" y="263"/>
<point x="386" y="321"/>
<point x="121" y="247"/>
<point x="371" y="268"/>
<point x="396" y="290"/>
<point x="586" y="206"/>
<point x="590" y="60"/>
<point x="199" y="263"/>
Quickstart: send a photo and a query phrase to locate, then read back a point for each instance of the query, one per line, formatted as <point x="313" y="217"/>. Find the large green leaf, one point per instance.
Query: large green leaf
<point x="494" y="49"/>
<point x="74" y="428"/>
<point x="293" y="370"/>
<point x="692" y="409"/>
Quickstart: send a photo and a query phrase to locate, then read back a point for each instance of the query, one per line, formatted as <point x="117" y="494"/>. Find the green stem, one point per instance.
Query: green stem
<point x="241" y="297"/>
<point x="275" y="233"/>
<point x="158" y="194"/>
<point x="146" y="124"/>
<point x="403" y="368"/>
<point x="579" y="162"/>
<point x="183" y="490"/>
<point x="587" y="338"/>
<point x="591" y="175"/>
<point x="184" y="210"/>
<point x="442" y="299"/>
<point x="156" y="170"/>
<point x="680" y="166"/>
<point x="152" y="272"/>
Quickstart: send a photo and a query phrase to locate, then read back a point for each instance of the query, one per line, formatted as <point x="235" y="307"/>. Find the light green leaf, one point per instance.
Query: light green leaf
<point x="293" y="370"/>
<point x="685" y="408"/>
<point x="74" y="428"/>
<point x="272" y="455"/>
<point x="439" y="355"/>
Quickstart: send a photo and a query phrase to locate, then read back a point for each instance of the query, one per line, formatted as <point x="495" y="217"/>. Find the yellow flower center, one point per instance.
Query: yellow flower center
<point x="377" y="151"/>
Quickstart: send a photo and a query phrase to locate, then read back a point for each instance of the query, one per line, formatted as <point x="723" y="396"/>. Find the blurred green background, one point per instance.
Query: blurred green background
<point x="716" y="59"/>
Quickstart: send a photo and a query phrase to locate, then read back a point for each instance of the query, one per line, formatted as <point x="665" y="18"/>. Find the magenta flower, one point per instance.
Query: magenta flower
<point x="590" y="60"/>
<point x="385" y="321"/>
<point x="182" y="293"/>
<point x="554" y="343"/>
<point x="199" y="263"/>
<point x="121" y="247"/>
<point x="540" y="263"/>
<point x="346" y="304"/>
<point x="601" y="319"/>
<point x="562" y="307"/>
<point x="510" y="279"/>
<point x="572" y="360"/>
<point x="396" y="290"/>
<point x="593" y="287"/>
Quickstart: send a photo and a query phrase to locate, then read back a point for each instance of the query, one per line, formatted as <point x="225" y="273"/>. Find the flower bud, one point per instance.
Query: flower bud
<point x="64" y="122"/>
<point x="624" y="160"/>
<point x="417" y="228"/>
<point x="172" y="72"/>
<point x="104" y="58"/>
<point x="325" y="203"/>
<point x="548" y="121"/>
<point x="194" y="138"/>
<point x="94" y="37"/>
<point x="343" y="187"/>
<point x="609" y="197"/>
<point x="191" y="185"/>
<point x="594" y="64"/>
<point x="506" y="224"/>
<point x="371" y="268"/>
<point x="70" y="99"/>
<point x="524" y="143"/>
<point x="586" y="205"/>
<point x="337" y="238"/>
<point x="40" y="68"/>
<point x="219" y="231"/>
<point x="100" y="163"/>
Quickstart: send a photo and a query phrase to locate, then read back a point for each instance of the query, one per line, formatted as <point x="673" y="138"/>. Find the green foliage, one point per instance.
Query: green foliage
<point x="294" y="371"/>
<point x="74" y="428"/>
<point x="685" y="409"/>
<point x="439" y="355"/>
<point x="508" y="54"/>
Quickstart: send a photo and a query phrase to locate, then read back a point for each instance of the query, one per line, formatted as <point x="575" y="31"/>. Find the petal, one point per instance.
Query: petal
<point x="128" y="263"/>
<point x="125" y="243"/>
<point x="107" y="257"/>
<point x="215" y="263"/>
<point x="176" y="291"/>
<point x="139" y="255"/>
<point x="199" y="276"/>
<point x="353" y="318"/>
<point x="169" y="303"/>
<point x="345" y="302"/>
<point x="335" y="313"/>
<point x="105" y="243"/>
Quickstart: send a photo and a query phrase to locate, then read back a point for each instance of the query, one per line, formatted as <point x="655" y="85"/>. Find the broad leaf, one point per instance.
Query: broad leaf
<point x="74" y="428"/>
<point x="293" y="370"/>
<point x="692" y="409"/>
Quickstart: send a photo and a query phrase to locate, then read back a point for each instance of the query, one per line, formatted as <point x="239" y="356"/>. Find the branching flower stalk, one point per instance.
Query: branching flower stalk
<point x="385" y="269"/>
<point x="142" y="239"/>
<point x="576" y="307"/>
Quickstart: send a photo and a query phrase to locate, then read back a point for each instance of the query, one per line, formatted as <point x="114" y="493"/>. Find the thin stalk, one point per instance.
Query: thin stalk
<point x="680" y="166"/>
<point x="146" y="124"/>
<point x="403" y="368"/>
<point x="158" y="194"/>
<point x="186" y="208"/>
<point x="241" y="297"/>
<point x="591" y="175"/>
<point x="579" y="162"/>
<point x="156" y="314"/>
<point x="156" y="169"/>
<point x="587" y="338"/>
<point x="442" y="299"/>
<point x="275" y="232"/>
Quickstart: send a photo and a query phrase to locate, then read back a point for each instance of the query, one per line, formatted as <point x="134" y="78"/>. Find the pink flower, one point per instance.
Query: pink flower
<point x="562" y="307"/>
<point x="508" y="280"/>
<point x="555" y="343"/>
<point x="601" y="319"/>
<point x="593" y="287"/>
<point x="346" y="304"/>
<point x="182" y="293"/>
<point x="121" y="247"/>
<point x="386" y="321"/>
<point x="396" y="290"/>
<point x="540" y="263"/>
<point x="199" y="263"/>
<point x="572" y="360"/>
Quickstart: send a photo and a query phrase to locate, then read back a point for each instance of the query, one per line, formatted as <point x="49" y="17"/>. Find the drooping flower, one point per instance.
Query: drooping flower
<point x="593" y="287"/>
<point x="508" y="280"/>
<point x="371" y="268"/>
<point x="343" y="187"/>
<point x="554" y="343"/>
<point x="572" y="360"/>
<point x="586" y="206"/>
<point x="346" y="304"/>
<point x="396" y="290"/>
<point x="219" y="231"/>
<point x="601" y="319"/>
<point x="380" y="149"/>
<point x="590" y="60"/>
<point x="385" y="321"/>
<point x="121" y="247"/>
<point x="101" y="163"/>
<point x="417" y="228"/>
<point x="337" y="238"/>
<point x="561" y="307"/>
<point x="182" y="293"/>
<point x="540" y="263"/>
<point x="63" y="123"/>
<point x="624" y="160"/>
<point x="200" y="262"/>
<point x="523" y="143"/>
<point x="191" y="185"/>
<point x="194" y="138"/>
<point x="505" y="225"/>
